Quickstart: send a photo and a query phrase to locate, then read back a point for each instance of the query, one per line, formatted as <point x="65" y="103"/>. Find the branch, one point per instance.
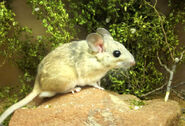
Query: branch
<point x="157" y="89"/>
<point x="181" y="83"/>
<point x="171" y="72"/>
<point x="178" y="94"/>
<point x="4" y="61"/>
<point x="167" y="69"/>
<point x="182" y="54"/>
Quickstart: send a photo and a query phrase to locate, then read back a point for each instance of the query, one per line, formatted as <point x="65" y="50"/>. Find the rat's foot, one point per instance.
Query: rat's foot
<point x="76" y="89"/>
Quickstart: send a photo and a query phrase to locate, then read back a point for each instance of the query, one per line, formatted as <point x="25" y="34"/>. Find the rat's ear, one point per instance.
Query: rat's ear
<point x="103" y="31"/>
<point x="95" y="42"/>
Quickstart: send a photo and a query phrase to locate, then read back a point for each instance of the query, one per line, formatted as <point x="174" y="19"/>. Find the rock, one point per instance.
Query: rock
<point x="94" y="107"/>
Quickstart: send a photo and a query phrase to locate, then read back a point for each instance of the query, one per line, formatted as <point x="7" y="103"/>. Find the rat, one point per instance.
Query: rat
<point x="78" y="63"/>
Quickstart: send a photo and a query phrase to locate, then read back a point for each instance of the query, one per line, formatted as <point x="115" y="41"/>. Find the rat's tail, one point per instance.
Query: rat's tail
<point x="19" y="104"/>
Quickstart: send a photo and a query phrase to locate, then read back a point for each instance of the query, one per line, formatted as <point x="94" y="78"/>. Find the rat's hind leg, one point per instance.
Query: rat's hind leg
<point x="47" y="94"/>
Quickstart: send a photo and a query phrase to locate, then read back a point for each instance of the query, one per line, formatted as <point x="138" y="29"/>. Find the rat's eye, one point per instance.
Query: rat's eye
<point x="116" y="53"/>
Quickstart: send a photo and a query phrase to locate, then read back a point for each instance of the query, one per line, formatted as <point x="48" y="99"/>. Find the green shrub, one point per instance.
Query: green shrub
<point x="54" y="19"/>
<point x="56" y="22"/>
<point x="27" y="51"/>
<point x="8" y="38"/>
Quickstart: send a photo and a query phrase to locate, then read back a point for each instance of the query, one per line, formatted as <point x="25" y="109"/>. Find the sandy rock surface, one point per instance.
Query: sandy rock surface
<point x="94" y="107"/>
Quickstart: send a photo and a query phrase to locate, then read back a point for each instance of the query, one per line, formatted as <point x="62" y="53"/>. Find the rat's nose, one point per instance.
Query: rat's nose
<point x="132" y="63"/>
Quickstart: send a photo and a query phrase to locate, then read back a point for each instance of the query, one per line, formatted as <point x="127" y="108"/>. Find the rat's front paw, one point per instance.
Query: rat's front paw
<point x="98" y="87"/>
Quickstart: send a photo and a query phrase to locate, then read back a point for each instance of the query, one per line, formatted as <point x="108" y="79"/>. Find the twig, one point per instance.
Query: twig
<point x="178" y="94"/>
<point x="182" y="55"/>
<point x="4" y="61"/>
<point x="171" y="72"/>
<point x="167" y="69"/>
<point x="181" y="83"/>
<point x="157" y="89"/>
<point x="170" y="78"/>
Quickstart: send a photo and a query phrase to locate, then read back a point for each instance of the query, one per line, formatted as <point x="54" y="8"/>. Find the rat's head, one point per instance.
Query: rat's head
<point x="108" y="51"/>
